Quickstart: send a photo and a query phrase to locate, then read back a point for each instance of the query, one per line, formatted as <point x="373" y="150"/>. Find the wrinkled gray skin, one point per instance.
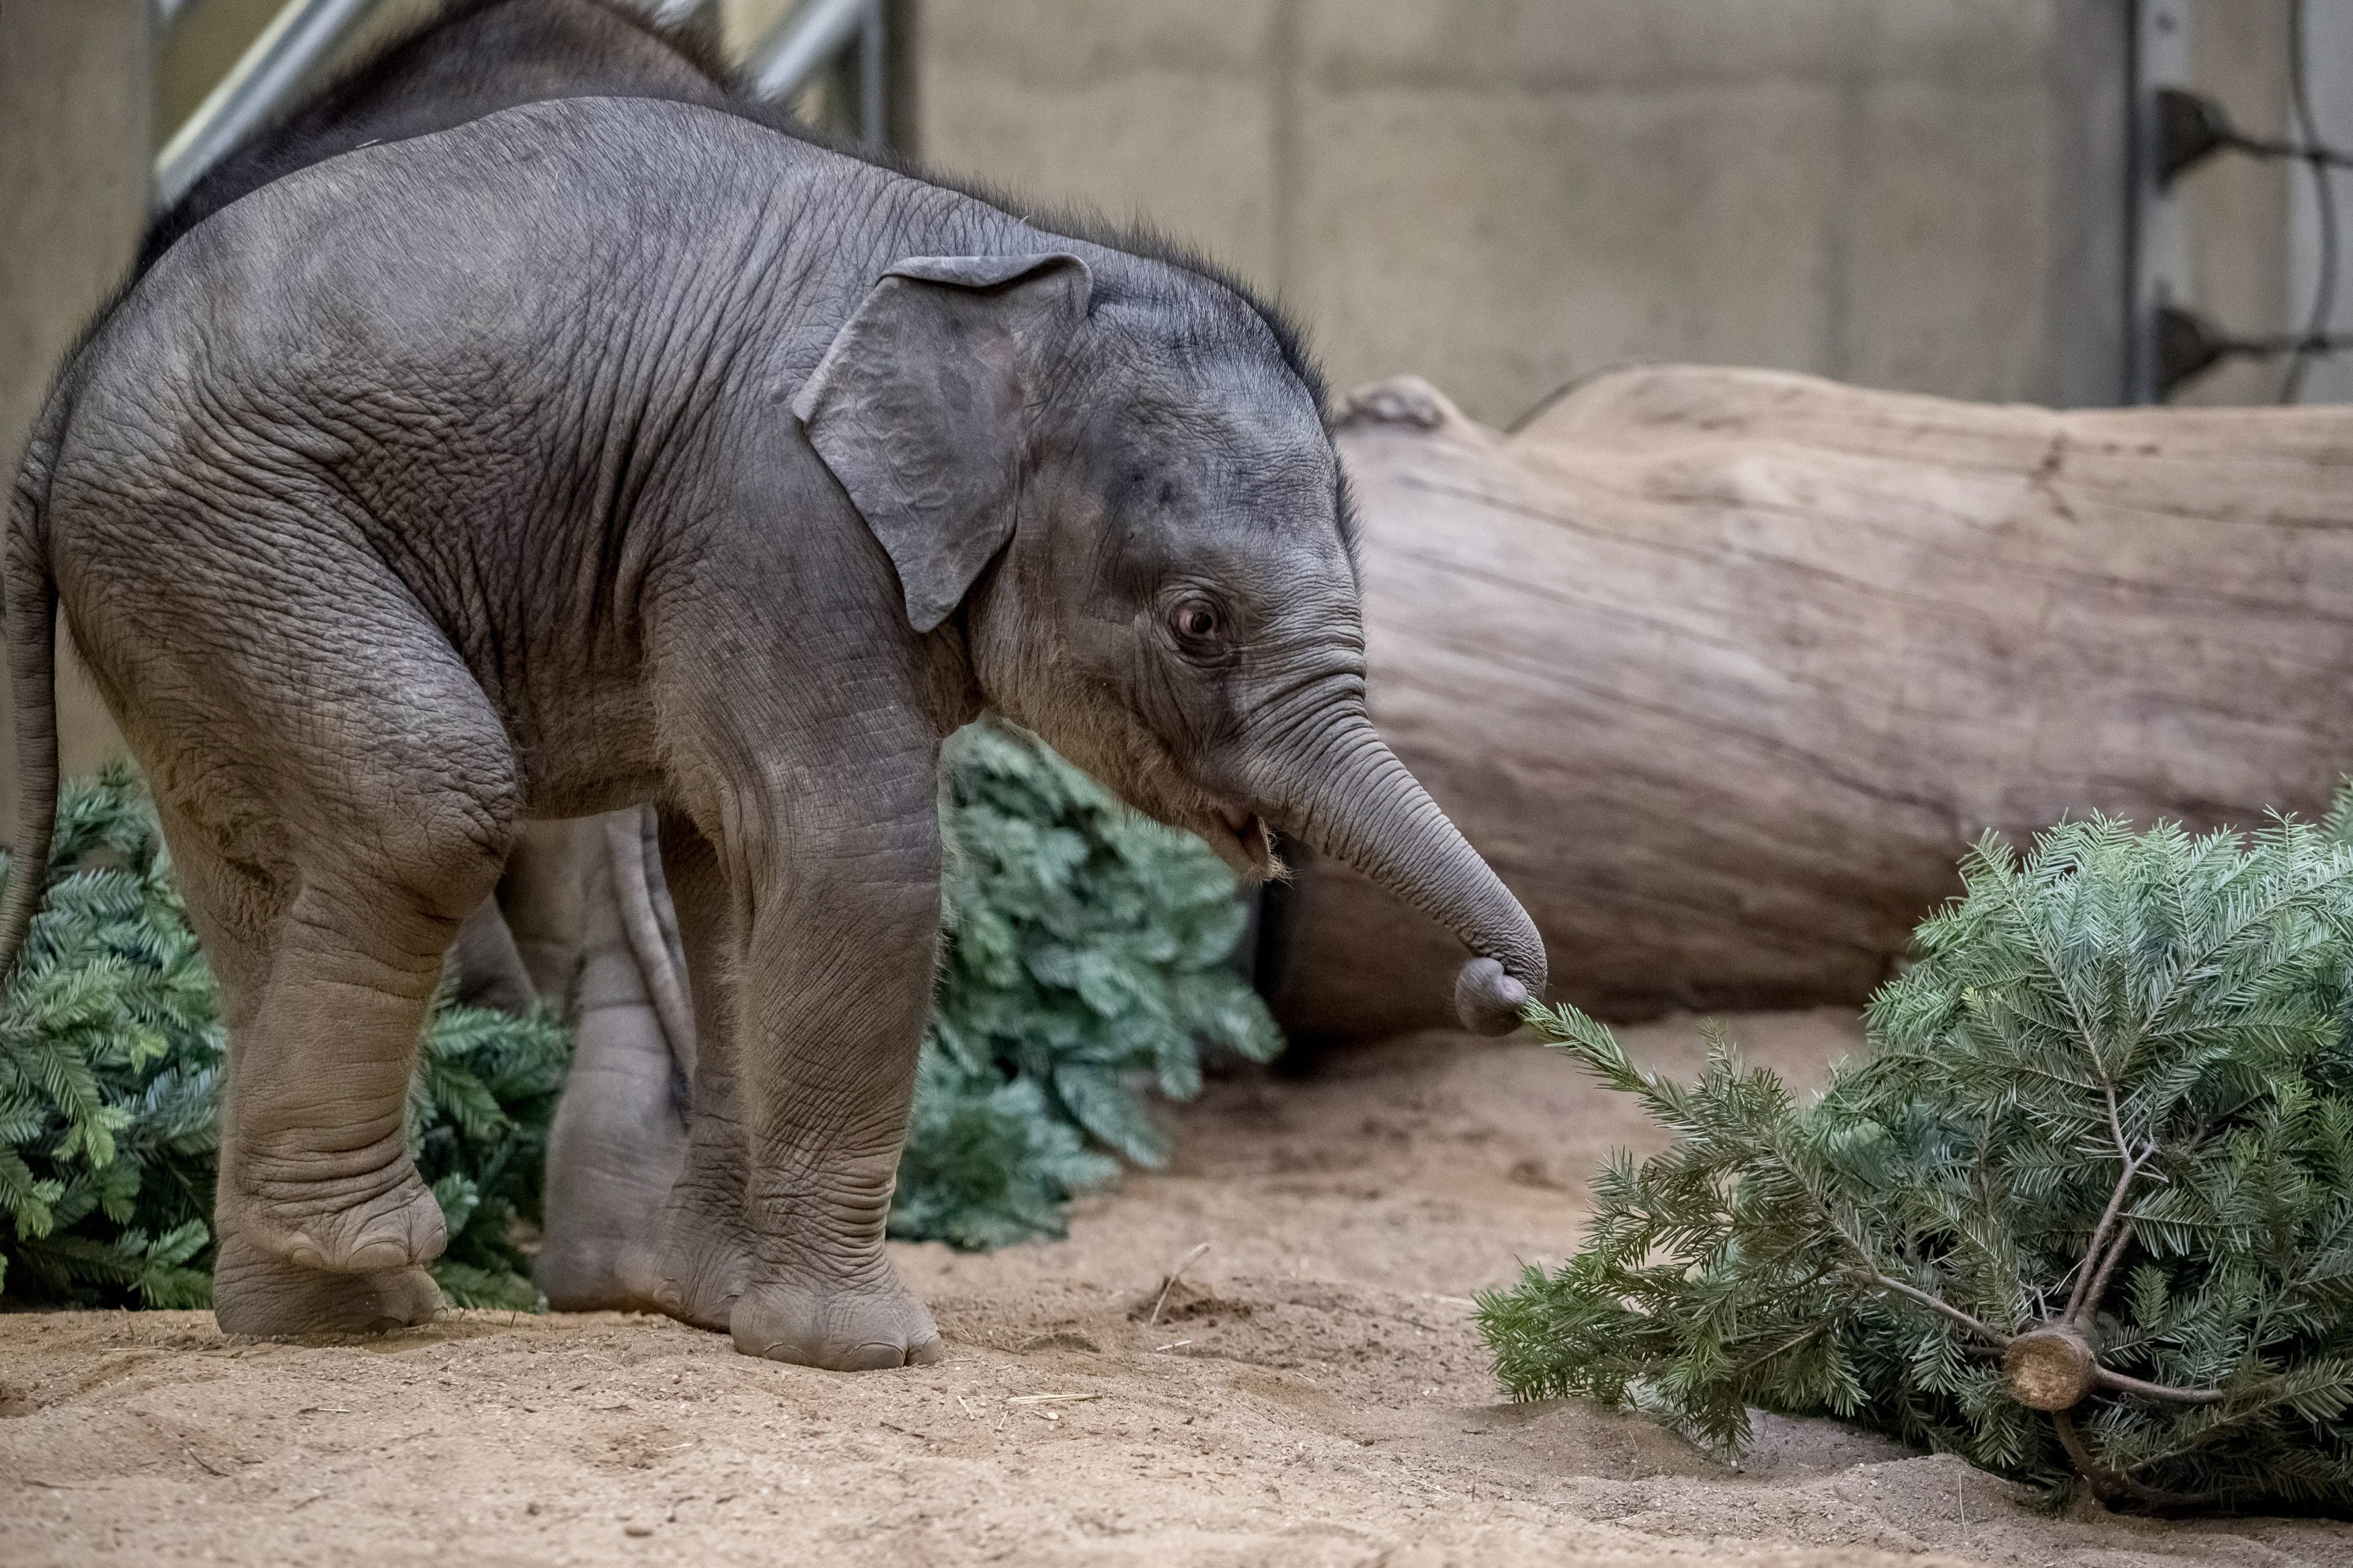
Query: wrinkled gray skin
<point x="609" y="451"/>
<point x="580" y="920"/>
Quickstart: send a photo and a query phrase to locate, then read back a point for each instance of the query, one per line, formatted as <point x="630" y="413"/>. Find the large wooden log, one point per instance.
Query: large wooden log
<point x="1725" y="670"/>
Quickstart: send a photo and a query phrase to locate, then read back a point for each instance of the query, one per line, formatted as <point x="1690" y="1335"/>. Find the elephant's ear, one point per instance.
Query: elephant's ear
<point x="917" y="409"/>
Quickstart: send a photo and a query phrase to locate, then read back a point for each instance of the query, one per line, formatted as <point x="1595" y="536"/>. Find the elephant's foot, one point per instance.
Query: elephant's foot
<point x="255" y="1293"/>
<point x="704" y="1263"/>
<point x="398" y="1224"/>
<point x="589" y="1272"/>
<point x="818" y="1321"/>
<point x="607" y="1213"/>
<point x="613" y="1160"/>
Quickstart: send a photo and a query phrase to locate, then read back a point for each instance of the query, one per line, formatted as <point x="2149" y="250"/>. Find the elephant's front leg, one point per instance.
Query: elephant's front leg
<point x="831" y="992"/>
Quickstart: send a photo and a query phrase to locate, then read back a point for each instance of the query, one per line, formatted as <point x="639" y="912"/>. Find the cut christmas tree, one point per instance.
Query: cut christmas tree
<point x="2082" y="1212"/>
<point x="110" y="1072"/>
<point x="1085" y="960"/>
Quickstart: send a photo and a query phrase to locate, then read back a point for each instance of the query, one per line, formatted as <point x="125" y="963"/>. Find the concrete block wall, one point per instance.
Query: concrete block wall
<point x="1506" y="194"/>
<point x="75" y="97"/>
<point x="73" y="181"/>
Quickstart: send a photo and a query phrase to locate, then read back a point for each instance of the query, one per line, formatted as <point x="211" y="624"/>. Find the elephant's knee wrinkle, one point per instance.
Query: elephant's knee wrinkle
<point x="317" y="1155"/>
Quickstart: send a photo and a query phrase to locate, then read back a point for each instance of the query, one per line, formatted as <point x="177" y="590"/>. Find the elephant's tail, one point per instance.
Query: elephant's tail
<point x="650" y="927"/>
<point x="30" y="604"/>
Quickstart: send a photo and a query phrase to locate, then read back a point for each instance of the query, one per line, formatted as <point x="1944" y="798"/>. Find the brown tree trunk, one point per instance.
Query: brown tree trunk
<point x="1723" y="670"/>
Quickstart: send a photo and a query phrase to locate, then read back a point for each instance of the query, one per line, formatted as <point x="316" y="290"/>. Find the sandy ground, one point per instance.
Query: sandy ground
<point x="1312" y="1394"/>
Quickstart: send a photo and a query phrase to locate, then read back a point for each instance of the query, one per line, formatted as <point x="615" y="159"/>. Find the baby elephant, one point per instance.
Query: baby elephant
<point x="612" y="450"/>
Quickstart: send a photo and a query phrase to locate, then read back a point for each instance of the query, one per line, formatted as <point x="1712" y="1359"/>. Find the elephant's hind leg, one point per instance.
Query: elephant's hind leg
<point x="239" y="911"/>
<point x="315" y="1161"/>
<point x="374" y="800"/>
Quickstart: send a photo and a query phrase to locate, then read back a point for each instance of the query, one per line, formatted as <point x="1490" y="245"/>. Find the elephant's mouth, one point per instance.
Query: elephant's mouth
<point x="1164" y="790"/>
<point x="1239" y="836"/>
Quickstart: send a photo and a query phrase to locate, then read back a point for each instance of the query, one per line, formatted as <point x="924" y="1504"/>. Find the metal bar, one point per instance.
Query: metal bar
<point x="260" y="86"/>
<point x="166" y="13"/>
<point x="873" y="71"/>
<point x="783" y="62"/>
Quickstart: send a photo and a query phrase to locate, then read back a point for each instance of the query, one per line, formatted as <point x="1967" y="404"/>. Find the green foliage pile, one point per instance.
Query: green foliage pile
<point x="1084" y="959"/>
<point x="2109" y="1106"/>
<point x="479" y="1111"/>
<point x="1085" y="956"/>
<point x="109" y="1077"/>
<point x="109" y="1066"/>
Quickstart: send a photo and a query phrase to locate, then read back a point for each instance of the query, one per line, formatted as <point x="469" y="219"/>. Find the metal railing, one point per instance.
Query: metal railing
<point x="264" y="80"/>
<point x="279" y="64"/>
<point x="809" y="38"/>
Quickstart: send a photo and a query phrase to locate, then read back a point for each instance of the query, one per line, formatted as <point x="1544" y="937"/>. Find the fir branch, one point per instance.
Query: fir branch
<point x="2092" y="1279"/>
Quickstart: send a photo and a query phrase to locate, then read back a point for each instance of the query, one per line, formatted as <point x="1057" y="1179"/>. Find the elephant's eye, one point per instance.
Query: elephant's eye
<point x="1197" y="620"/>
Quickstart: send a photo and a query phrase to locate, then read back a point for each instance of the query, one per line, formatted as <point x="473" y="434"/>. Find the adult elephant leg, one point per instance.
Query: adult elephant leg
<point x="543" y="902"/>
<point x="618" y="1141"/>
<point x="488" y="970"/>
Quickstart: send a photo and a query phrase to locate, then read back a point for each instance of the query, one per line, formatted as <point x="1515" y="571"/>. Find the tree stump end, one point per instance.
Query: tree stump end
<point x="2050" y="1369"/>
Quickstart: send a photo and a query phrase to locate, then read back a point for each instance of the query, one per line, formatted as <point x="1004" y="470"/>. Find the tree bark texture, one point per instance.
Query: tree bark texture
<point x="1725" y="670"/>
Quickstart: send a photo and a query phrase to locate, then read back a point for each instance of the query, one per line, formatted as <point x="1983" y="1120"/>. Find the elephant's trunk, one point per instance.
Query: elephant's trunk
<point x="1355" y="801"/>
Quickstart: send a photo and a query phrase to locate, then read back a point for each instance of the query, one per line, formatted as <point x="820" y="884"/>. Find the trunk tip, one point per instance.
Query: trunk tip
<point x="1486" y="999"/>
